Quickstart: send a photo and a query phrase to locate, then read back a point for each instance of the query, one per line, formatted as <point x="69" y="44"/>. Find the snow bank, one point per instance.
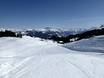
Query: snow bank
<point x="33" y="58"/>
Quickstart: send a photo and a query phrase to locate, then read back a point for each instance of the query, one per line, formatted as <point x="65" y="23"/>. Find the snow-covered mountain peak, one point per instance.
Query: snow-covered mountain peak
<point x="97" y="27"/>
<point x="102" y="26"/>
<point x="2" y="29"/>
<point x="49" y="29"/>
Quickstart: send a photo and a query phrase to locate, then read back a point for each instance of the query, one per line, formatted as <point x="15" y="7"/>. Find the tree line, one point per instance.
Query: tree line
<point x="8" y="33"/>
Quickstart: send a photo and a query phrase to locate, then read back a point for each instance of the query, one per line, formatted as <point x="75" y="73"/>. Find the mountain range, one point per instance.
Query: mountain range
<point x="54" y="34"/>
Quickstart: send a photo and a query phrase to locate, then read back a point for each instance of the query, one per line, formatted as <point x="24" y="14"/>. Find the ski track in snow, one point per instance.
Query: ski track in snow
<point x="32" y="58"/>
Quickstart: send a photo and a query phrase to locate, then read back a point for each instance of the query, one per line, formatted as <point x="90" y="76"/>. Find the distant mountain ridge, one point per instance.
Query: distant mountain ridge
<point x="48" y="32"/>
<point x="58" y="35"/>
<point x="83" y="35"/>
<point x="45" y="33"/>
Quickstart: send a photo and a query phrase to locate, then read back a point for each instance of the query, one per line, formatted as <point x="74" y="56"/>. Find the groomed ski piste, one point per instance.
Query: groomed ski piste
<point x="29" y="57"/>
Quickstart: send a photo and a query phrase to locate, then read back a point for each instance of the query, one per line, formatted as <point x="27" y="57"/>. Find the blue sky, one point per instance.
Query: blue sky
<point x="54" y="13"/>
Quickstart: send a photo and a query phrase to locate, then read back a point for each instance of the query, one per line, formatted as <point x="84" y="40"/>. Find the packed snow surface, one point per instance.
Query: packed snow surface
<point x="35" y="58"/>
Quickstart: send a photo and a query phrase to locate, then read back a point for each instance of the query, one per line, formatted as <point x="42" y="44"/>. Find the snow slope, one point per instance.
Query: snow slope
<point x="33" y="58"/>
<point x="94" y="44"/>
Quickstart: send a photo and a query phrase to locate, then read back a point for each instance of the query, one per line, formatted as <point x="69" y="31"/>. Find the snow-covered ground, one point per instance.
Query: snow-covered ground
<point x="94" y="44"/>
<point x="34" y="58"/>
